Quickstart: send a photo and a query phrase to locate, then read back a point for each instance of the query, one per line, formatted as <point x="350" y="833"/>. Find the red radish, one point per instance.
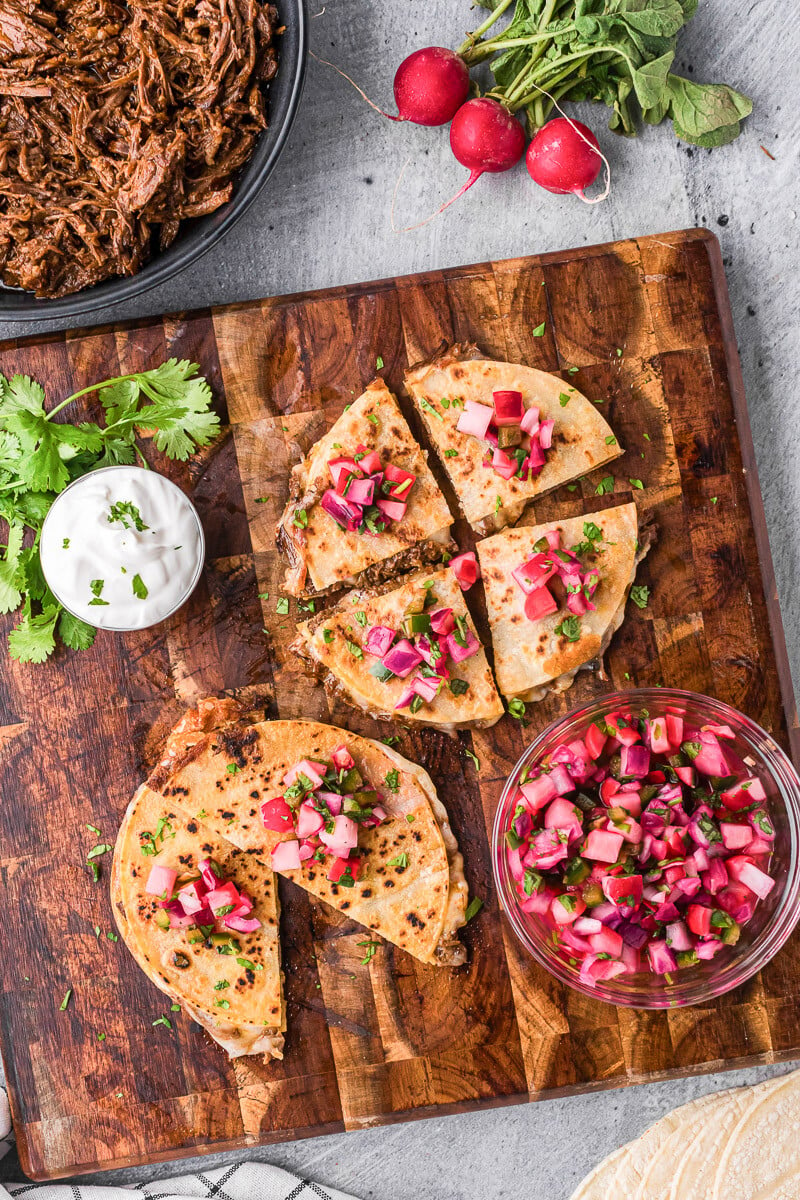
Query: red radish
<point x="485" y="138"/>
<point x="564" y="156"/>
<point x="466" y="570"/>
<point x="429" y="86"/>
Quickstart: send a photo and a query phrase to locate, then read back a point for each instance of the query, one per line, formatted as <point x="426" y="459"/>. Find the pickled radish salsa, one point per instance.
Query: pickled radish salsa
<point x="430" y="643"/>
<point x="367" y="495"/>
<point x="202" y="902"/>
<point x="515" y="436"/>
<point x="643" y="845"/>
<point x="324" y="805"/>
<point x="556" y="577"/>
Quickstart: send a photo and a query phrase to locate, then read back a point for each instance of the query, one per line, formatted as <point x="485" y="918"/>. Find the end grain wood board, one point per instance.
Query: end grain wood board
<point x="648" y="325"/>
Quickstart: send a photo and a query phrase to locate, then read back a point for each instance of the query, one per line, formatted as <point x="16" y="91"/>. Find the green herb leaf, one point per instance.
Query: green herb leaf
<point x="640" y="595"/>
<point x="539" y="330"/>
<point x="473" y="908"/>
<point x="605" y="486"/>
<point x="140" y="589"/>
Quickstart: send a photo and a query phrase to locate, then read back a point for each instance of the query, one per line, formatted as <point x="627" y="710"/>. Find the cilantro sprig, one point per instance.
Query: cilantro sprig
<point x="40" y="456"/>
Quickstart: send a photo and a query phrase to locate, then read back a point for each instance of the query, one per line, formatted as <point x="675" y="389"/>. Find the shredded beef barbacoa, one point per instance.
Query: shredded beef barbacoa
<point x="117" y="122"/>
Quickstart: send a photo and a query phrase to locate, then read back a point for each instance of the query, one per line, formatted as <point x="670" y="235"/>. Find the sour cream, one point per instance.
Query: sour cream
<point x="122" y="548"/>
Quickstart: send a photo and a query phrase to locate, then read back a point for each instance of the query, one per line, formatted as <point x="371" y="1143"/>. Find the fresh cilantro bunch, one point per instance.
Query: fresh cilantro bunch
<point x="617" y="52"/>
<point x="40" y="456"/>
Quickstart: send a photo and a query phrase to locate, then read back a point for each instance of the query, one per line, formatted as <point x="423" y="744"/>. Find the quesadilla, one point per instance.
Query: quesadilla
<point x="364" y="504"/>
<point x="556" y="594"/>
<point x="344" y="817"/>
<point x="176" y="890"/>
<point x="408" y="652"/>
<point x="505" y="433"/>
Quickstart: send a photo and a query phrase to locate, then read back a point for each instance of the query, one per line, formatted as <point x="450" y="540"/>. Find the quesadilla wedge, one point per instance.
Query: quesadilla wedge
<point x="224" y="971"/>
<point x="505" y="433"/>
<point x="364" y="504"/>
<point x="344" y="817"/>
<point x="406" y="652"/>
<point x="556" y="595"/>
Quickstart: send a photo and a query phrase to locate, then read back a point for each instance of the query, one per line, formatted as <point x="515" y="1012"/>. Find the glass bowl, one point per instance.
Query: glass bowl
<point x="773" y="919"/>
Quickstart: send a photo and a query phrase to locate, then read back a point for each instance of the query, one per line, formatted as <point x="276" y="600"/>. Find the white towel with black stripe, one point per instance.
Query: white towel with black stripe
<point x="245" y="1181"/>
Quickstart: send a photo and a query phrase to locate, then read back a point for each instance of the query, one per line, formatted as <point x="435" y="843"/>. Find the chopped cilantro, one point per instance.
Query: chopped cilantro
<point x="473" y="908"/>
<point x="400" y="860"/>
<point x="516" y="708"/>
<point x="563" y="399"/>
<point x="640" y="595"/>
<point x="428" y="407"/>
<point x="140" y="589"/>
<point x="636" y="483"/>
<point x="369" y="954"/>
<point x="65" y="1002"/>
<point x="282" y="606"/>
<point x="300" y="518"/>
<point x="539" y="330"/>
<point x="128" y="515"/>
<point x="570" y="628"/>
<point x="605" y="485"/>
<point x="354" y="649"/>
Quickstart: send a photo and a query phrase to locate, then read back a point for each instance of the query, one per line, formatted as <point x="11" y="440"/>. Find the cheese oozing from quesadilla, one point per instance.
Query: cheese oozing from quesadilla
<point x="505" y="433"/>
<point x="363" y="505"/>
<point x="556" y="594"/>
<point x="405" y="652"/>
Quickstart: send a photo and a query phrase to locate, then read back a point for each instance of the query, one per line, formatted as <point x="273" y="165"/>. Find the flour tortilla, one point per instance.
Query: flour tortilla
<point x="761" y="1160"/>
<point x="582" y="439"/>
<point x="254" y="1019"/>
<point x="595" y="1183"/>
<point x="419" y="906"/>
<point x="348" y="676"/>
<point x="322" y="556"/>
<point x="693" y="1174"/>
<point x="530" y="658"/>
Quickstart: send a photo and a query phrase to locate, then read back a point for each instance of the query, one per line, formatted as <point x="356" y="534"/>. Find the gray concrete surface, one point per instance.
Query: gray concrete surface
<point x="324" y="219"/>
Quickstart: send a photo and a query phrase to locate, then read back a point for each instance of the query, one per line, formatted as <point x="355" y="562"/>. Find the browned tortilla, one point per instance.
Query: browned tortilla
<point x="321" y="554"/>
<point x="417" y="902"/>
<point x="240" y="1006"/>
<point x="582" y="439"/>
<point x="530" y="658"/>
<point x="479" y="707"/>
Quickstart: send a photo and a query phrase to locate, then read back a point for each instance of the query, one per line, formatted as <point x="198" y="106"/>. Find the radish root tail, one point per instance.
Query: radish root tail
<point x="361" y="92"/>
<point x="605" y="192"/>
<point x="473" y="178"/>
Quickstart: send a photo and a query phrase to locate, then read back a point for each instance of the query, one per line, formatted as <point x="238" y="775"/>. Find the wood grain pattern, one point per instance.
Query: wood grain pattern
<point x="387" y="1041"/>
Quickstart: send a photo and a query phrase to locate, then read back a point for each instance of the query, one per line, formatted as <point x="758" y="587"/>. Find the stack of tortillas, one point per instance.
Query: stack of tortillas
<point x="741" y="1144"/>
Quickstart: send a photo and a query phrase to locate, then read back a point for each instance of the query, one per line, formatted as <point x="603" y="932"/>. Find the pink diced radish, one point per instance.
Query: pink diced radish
<point x="716" y="877"/>
<point x="223" y="896"/>
<point x="315" y="772"/>
<point x="508" y="408"/>
<point x="530" y="420"/>
<point x="536" y="455"/>
<point x="565" y="914"/>
<point x="607" y="941"/>
<point x="342" y="758"/>
<point x="735" y="837"/>
<point x="276" y="815"/>
<point x="623" y="891"/>
<point x="503" y="464"/>
<point x="561" y="779"/>
<point x="687" y="775"/>
<point x="179" y="920"/>
<point x="602" y="846"/>
<point x="340" y="469"/>
<point x="711" y="759"/>
<point x="540" y="603"/>
<point x="379" y="640"/>
<point x="547" y="849"/>
<point x="191" y="897"/>
<point x="360" y="491"/>
<point x="405" y="697"/>
<point x="585" y="925"/>
<point x="160" y="882"/>
<point x="394" y="510"/>
<point x="457" y="652"/>
<point x="576" y="603"/>
<point x="748" y="874"/>
<point x="658" y="736"/>
<point x="546" y="434"/>
<point x="466" y="570"/>
<point x="662" y="960"/>
<point x="475" y="419"/>
<point x="678" y="937"/>
<point x="241" y="924"/>
<point x="595" y="970"/>
<point x="561" y="814"/>
<point x="535" y="572"/>
<point x="630" y="801"/>
<point x="427" y="687"/>
<point x="401" y="481"/>
<point x="443" y="620"/>
<point x="210" y="872"/>
<point x="286" y="856"/>
<point x="634" y="761"/>
<point x="402" y="658"/>
<point x="347" y="515"/>
<point x="309" y="821"/>
<point x="344" y="835"/>
<point x="538" y="792"/>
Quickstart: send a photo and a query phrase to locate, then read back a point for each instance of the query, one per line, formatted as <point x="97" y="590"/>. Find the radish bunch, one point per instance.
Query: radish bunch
<point x="431" y="87"/>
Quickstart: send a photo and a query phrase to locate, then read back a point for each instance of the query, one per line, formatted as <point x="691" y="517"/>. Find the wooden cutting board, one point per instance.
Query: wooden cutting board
<point x="649" y="327"/>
